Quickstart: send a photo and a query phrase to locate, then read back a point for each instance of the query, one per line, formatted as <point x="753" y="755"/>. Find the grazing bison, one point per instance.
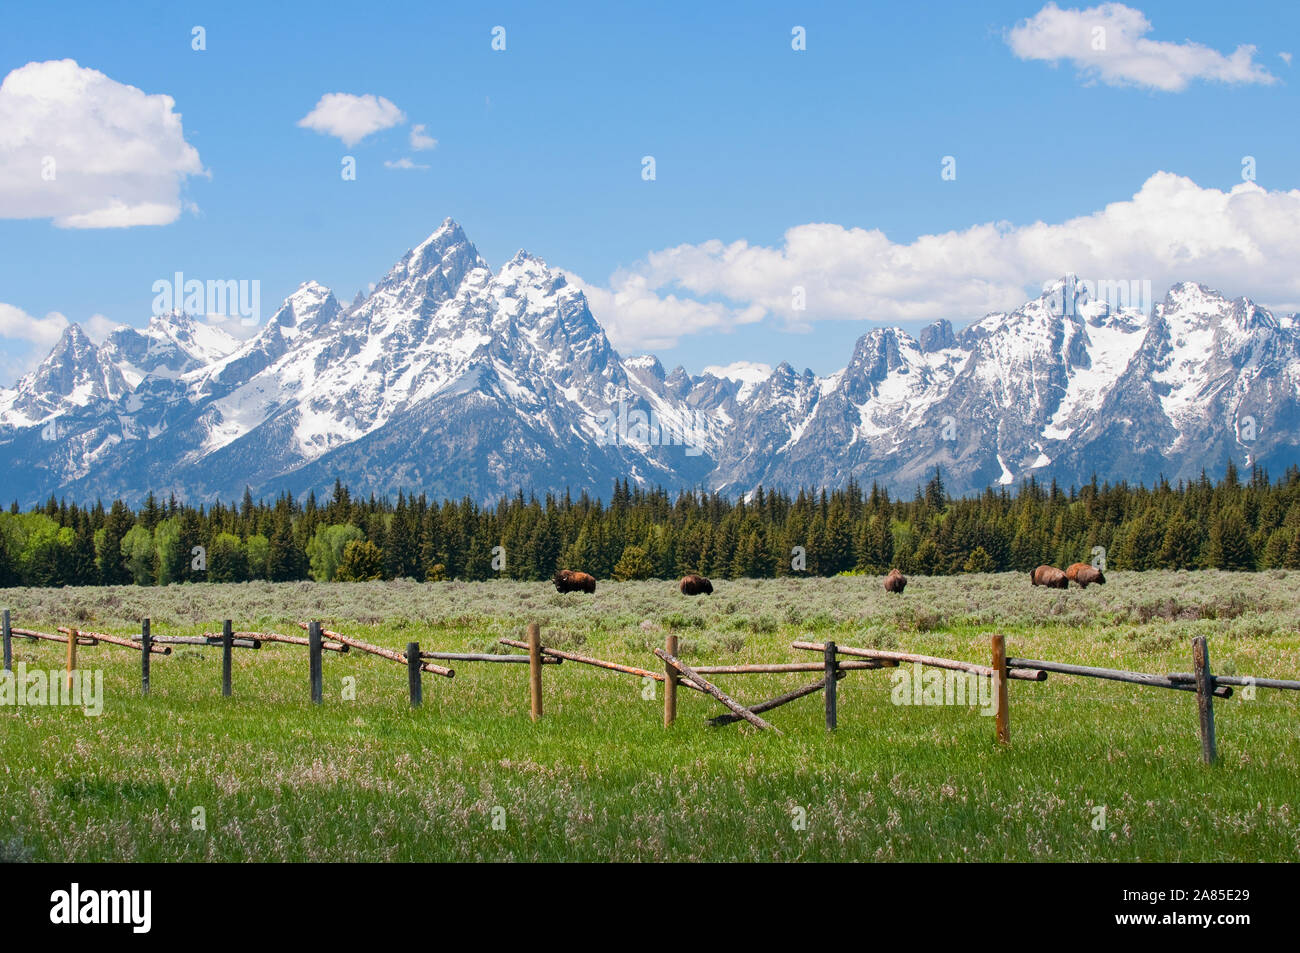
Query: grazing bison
<point x="1049" y="576"/>
<point x="566" y="580"/>
<point x="693" y="585"/>
<point x="1085" y="575"/>
<point x="895" y="581"/>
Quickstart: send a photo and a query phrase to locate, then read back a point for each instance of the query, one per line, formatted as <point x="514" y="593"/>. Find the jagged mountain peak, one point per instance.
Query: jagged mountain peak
<point x="310" y="307"/>
<point x="438" y="264"/>
<point x="453" y="378"/>
<point x="73" y="356"/>
<point x="447" y="236"/>
<point x="310" y="290"/>
<point x="71" y="376"/>
<point x="523" y="257"/>
<point x="880" y="352"/>
<point x="938" y="336"/>
<point x="647" y="364"/>
<point x="528" y="269"/>
<point x="74" y="340"/>
<point x="1185" y="292"/>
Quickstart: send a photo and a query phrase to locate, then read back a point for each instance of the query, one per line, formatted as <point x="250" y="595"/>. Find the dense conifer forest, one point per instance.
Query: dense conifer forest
<point x="637" y="533"/>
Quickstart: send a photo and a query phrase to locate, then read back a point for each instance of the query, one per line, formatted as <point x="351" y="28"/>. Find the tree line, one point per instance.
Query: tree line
<point x="641" y="533"/>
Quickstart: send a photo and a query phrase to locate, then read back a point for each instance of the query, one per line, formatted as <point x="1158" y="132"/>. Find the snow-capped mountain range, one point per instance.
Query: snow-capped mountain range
<point x="453" y="379"/>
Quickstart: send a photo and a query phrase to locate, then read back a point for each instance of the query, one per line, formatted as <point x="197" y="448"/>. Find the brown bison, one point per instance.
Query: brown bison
<point x="693" y="585"/>
<point x="1049" y="576"/>
<point x="1085" y="575"/>
<point x="895" y="581"/>
<point x="566" y="580"/>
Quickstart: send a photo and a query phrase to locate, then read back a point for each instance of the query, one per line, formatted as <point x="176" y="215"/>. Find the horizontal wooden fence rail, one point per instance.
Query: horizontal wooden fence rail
<point x="588" y="660"/>
<point x="896" y="657"/>
<point x="486" y="657"/>
<point x="382" y="652"/>
<point x="1241" y="681"/>
<point x="1112" y="674"/>
<point x="1017" y="673"/>
<point x="277" y="637"/>
<point x="763" y="668"/>
<point x="49" y="637"/>
<point x="97" y="637"/>
<point x="207" y="638"/>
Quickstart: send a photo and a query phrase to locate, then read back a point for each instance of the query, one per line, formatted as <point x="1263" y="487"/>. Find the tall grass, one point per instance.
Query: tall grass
<point x="470" y="777"/>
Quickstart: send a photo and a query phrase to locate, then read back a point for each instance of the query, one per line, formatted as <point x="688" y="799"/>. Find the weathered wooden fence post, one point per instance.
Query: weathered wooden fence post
<point x="830" y="686"/>
<point x="8" y="646"/>
<point x="313" y="653"/>
<point x="73" y="634"/>
<point x="535" y="668"/>
<point x="227" y="650"/>
<point x="413" y="664"/>
<point x="1002" y="701"/>
<point x="1204" y="696"/>
<point x="146" y="647"/>
<point x="670" y="682"/>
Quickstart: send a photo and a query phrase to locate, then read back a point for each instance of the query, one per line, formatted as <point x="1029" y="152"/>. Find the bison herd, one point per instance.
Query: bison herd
<point x="1080" y="573"/>
<point x="566" y="580"/>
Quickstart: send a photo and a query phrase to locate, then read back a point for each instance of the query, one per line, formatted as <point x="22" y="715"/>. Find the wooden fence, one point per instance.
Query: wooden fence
<point x="836" y="662"/>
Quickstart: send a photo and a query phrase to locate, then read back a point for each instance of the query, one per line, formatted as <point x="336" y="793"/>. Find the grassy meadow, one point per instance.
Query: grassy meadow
<point x="469" y="777"/>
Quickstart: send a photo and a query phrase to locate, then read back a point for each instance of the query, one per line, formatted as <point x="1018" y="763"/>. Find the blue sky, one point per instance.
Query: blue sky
<point x="540" y="146"/>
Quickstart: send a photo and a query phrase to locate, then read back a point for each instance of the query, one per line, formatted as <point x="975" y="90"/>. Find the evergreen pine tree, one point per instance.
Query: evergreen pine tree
<point x="1229" y="546"/>
<point x="633" y="564"/>
<point x="287" y="561"/>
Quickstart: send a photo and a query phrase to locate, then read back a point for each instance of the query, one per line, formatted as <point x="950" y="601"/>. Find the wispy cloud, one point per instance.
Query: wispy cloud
<point x="421" y="140"/>
<point x="403" y="163"/>
<point x="89" y="152"/>
<point x="352" y="118"/>
<point x="1109" y="43"/>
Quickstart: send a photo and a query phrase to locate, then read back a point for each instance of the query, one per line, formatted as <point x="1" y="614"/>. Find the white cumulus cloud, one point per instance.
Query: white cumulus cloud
<point x="746" y="372"/>
<point x="352" y="118"/>
<point x="17" y="325"/>
<point x="89" y="152"/>
<point x="1109" y="43"/>
<point x="634" y="315"/>
<point x="1243" y="241"/>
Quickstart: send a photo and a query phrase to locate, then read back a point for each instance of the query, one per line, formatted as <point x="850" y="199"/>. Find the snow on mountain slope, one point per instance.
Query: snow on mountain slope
<point x="452" y="378"/>
<point x="72" y="376"/>
<point x="1108" y="342"/>
<point x="1209" y="345"/>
